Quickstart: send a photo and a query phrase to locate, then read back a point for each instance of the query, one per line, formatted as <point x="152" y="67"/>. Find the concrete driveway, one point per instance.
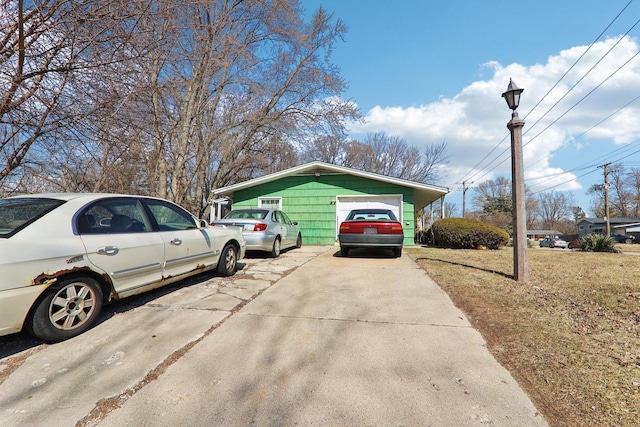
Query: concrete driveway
<point x="307" y="339"/>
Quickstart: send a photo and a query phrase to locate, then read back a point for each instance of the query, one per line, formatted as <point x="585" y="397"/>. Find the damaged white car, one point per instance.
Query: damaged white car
<point x="62" y="256"/>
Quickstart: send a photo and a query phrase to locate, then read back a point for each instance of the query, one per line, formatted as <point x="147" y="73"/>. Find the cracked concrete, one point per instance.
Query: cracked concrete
<point x="364" y="340"/>
<point x="61" y="384"/>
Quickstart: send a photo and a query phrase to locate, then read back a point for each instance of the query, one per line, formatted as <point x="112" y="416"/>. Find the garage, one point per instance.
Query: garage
<point x="345" y="204"/>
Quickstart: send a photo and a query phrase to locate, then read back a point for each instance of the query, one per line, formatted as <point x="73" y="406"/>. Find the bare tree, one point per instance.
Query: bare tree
<point x="231" y="88"/>
<point x="383" y="154"/>
<point x="554" y="209"/>
<point x="48" y="53"/>
<point x="624" y="193"/>
<point x="493" y="203"/>
<point x="163" y="97"/>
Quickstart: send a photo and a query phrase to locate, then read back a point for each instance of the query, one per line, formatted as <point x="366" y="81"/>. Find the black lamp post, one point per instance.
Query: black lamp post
<point x="515" y="125"/>
<point x="512" y="96"/>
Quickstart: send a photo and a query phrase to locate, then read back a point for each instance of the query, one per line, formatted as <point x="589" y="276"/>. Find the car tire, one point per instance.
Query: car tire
<point x="299" y="241"/>
<point x="228" y="262"/>
<point x="344" y="251"/>
<point x="275" y="250"/>
<point x="628" y="241"/>
<point x="397" y="252"/>
<point x="68" y="309"/>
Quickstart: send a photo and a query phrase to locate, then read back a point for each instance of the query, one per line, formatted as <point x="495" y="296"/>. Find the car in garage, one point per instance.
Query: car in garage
<point x="371" y="228"/>
<point x="63" y="256"/>
<point x="267" y="230"/>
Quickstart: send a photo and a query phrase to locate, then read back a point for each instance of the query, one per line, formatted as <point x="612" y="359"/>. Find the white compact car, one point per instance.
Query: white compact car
<point x="62" y="256"/>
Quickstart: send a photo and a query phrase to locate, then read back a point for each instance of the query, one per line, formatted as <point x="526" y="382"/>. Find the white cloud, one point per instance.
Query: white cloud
<point x="474" y="121"/>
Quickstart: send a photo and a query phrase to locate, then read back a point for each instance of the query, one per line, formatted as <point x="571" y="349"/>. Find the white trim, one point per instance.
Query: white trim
<point x="309" y="167"/>
<point x="372" y="198"/>
<point x="261" y="199"/>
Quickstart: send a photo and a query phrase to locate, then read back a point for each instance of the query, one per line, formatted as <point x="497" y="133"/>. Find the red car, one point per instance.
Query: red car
<point x="371" y="228"/>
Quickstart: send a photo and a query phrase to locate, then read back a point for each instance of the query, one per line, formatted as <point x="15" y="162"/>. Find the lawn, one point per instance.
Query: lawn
<point x="571" y="336"/>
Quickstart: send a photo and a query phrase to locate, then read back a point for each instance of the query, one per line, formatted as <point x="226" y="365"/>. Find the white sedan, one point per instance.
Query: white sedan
<point x="62" y="256"/>
<point x="268" y="230"/>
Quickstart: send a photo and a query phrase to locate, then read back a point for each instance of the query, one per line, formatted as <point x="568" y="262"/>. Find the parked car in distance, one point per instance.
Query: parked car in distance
<point x="63" y="256"/>
<point x="574" y="244"/>
<point x="371" y="228"/>
<point x="268" y="230"/>
<point x="623" y="238"/>
<point x="553" y="242"/>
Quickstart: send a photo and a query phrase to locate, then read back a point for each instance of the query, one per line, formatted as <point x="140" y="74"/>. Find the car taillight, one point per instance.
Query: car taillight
<point x="260" y="226"/>
<point x="344" y="228"/>
<point x="396" y="228"/>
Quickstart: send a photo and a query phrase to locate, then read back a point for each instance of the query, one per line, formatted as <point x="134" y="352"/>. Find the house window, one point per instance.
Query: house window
<point x="270" y="202"/>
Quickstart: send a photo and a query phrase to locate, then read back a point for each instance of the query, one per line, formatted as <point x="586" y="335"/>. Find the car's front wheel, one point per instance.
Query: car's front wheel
<point x="228" y="262"/>
<point x="67" y="309"/>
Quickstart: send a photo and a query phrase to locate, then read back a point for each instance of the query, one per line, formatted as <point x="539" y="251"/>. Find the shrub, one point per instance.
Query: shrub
<point x="598" y="243"/>
<point x="465" y="233"/>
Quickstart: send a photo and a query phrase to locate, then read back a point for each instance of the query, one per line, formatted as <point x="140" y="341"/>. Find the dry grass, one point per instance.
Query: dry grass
<point x="571" y="336"/>
<point x="628" y="248"/>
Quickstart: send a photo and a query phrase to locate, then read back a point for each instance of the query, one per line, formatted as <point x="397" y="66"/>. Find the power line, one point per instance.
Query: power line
<point x="587" y="131"/>
<point x="562" y="115"/>
<point x="548" y="92"/>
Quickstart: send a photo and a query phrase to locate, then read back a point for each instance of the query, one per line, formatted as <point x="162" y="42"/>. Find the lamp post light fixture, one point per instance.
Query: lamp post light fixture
<point x="515" y="125"/>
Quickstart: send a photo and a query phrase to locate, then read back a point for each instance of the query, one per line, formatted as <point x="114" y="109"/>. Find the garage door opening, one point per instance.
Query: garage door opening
<point x="345" y="204"/>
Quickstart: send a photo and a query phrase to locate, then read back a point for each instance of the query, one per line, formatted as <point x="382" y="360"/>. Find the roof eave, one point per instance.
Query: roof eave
<point x="309" y="167"/>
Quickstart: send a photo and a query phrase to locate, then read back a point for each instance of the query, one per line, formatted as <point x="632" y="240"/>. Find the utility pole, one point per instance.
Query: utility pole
<point x="607" y="223"/>
<point x="464" y="198"/>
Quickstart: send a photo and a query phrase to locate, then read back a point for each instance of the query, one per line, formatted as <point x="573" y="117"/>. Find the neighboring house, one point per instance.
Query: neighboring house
<point x="617" y="225"/>
<point x="319" y="196"/>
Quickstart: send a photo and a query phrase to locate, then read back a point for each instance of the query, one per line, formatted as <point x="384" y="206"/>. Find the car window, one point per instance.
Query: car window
<point x="285" y="218"/>
<point x="246" y="213"/>
<point x="371" y="215"/>
<point x="16" y="214"/>
<point x="277" y="217"/>
<point x="259" y="214"/>
<point x="169" y="216"/>
<point x="113" y="215"/>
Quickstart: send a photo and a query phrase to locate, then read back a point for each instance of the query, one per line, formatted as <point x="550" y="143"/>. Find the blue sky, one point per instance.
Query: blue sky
<point x="431" y="71"/>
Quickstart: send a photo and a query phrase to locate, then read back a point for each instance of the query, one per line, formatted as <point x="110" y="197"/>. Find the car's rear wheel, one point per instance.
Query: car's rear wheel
<point x="299" y="241"/>
<point x="397" y="252"/>
<point x="228" y="262"/>
<point x="67" y="309"/>
<point x="275" y="250"/>
<point x="344" y="251"/>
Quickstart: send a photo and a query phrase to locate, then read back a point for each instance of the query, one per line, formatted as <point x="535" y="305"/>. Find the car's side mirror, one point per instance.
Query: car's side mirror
<point x="203" y="223"/>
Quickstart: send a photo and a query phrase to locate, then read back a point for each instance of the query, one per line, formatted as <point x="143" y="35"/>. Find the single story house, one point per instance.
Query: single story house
<point x="598" y="226"/>
<point x="319" y="196"/>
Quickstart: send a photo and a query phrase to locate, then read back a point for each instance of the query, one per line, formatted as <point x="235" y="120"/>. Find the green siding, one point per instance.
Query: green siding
<point x="310" y="201"/>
